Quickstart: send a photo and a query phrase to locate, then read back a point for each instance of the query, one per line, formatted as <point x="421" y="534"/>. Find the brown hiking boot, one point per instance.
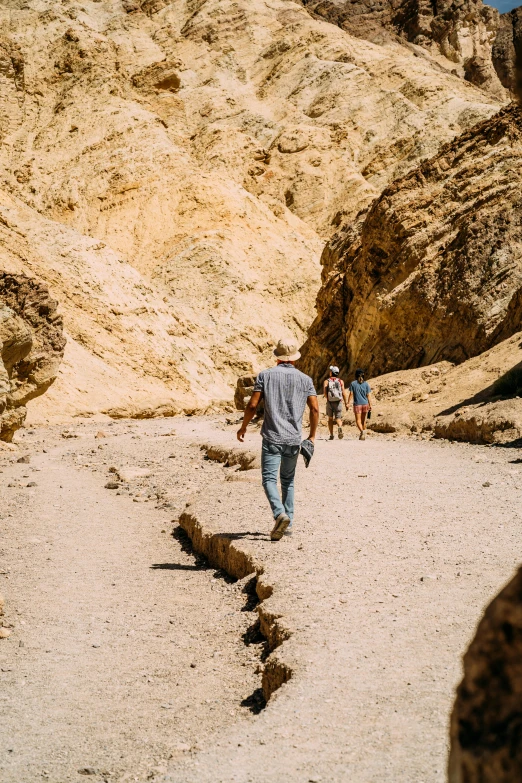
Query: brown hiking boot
<point x="279" y="528"/>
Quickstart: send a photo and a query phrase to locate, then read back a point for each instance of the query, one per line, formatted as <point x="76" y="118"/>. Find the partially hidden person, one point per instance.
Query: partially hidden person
<point x="285" y="392"/>
<point x="335" y="393"/>
<point x="360" y="391"/>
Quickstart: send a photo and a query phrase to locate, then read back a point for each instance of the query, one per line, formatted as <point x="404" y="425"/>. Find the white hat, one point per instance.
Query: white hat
<point x="286" y="351"/>
<point x="334" y="370"/>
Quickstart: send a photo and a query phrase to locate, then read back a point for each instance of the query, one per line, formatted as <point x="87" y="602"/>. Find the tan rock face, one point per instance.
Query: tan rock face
<point x="485" y="724"/>
<point x="32" y="346"/>
<point x="190" y="161"/>
<point x="433" y="270"/>
<point x="459" y="35"/>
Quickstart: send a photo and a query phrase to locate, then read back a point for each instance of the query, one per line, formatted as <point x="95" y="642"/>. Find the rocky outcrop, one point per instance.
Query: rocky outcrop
<point x="496" y="422"/>
<point x="433" y="271"/>
<point x="32" y="346"/>
<point x="485" y="725"/>
<point x="244" y="390"/>
<point x="460" y="33"/>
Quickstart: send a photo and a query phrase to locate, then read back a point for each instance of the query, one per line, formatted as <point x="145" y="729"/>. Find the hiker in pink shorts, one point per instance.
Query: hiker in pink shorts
<point x="362" y="401"/>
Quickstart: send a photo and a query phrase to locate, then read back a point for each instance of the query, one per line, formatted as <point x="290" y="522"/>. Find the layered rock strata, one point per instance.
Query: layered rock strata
<point x="433" y="271"/>
<point x="459" y="35"/>
<point x="31" y="344"/>
<point x="485" y="724"/>
<point x="190" y="160"/>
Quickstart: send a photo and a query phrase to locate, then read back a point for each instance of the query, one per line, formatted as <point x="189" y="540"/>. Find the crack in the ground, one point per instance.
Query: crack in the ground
<point x="221" y="550"/>
<point x="253" y="636"/>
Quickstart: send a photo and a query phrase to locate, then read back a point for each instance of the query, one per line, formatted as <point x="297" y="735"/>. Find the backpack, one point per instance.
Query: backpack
<point x="335" y="392"/>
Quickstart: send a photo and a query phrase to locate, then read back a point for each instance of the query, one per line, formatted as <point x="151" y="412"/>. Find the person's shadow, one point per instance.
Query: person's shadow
<point x="180" y="567"/>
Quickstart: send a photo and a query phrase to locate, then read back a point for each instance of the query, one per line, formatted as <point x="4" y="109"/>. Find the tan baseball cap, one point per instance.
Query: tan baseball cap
<point x="286" y="351"/>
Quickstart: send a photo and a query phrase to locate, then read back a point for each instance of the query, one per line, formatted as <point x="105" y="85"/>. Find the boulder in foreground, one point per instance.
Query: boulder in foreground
<point x="486" y="741"/>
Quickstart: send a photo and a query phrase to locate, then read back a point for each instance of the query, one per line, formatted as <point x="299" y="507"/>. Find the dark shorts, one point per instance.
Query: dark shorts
<point x="334" y="410"/>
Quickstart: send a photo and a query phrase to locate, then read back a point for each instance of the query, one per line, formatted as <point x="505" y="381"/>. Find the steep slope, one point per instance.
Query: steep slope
<point x="477" y="401"/>
<point x="458" y="35"/>
<point x="433" y="270"/>
<point x="507" y="50"/>
<point x="204" y="150"/>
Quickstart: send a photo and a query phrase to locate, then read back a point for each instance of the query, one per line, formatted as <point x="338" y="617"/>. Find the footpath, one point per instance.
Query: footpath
<point x="131" y="658"/>
<point x="398" y="547"/>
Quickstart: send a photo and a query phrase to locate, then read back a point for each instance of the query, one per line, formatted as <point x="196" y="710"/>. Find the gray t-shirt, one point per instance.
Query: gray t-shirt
<point x="285" y="392"/>
<point x="360" y="392"/>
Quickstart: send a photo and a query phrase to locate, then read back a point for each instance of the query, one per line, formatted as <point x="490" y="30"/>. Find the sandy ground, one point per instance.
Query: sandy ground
<point x="126" y="650"/>
<point x="399" y="545"/>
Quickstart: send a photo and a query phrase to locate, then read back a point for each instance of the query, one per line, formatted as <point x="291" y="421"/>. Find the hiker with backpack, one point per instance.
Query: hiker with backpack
<point x="362" y="402"/>
<point x="334" y="391"/>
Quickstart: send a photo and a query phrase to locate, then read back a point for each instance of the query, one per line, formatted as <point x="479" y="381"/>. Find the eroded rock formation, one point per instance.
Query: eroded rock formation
<point x="32" y="346"/>
<point x="461" y="34"/>
<point x="433" y="271"/>
<point x="486" y="744"/>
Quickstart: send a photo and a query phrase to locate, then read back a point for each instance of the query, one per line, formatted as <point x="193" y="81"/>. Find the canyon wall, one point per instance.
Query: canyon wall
<point x="507" y="50"/>
<point x="432" y="271"/>
<point x="173" y="170"/>
<point x="457" y="36"/>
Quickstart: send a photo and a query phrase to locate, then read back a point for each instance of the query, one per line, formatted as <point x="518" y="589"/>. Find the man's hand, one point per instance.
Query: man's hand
<point x="313" y="406"/>
<point x="250" y="412"/>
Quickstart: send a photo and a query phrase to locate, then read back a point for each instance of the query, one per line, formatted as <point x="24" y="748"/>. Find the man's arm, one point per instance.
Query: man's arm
<point x="369" y="400"/>
<point x="325" y="389"/>
<point x="313" y="405"/>
<point x="250" y="412"/>
<point x="349" y="399"/>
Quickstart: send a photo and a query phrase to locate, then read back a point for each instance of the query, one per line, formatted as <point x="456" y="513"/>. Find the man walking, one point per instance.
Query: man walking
<point x="362" y="402"/>
<point x="286" y="392"/>
<point x="334" y="391"/>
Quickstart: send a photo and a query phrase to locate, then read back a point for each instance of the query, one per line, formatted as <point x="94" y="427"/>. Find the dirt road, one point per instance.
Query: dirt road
<point x="398" y="547"/>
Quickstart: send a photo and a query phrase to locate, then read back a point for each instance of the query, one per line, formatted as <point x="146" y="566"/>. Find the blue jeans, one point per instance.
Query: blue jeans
<point x="282" y="459"/>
